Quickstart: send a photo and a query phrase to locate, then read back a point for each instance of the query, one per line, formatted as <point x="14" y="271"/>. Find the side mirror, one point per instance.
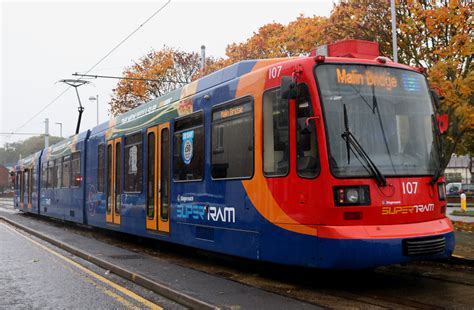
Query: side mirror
<point x="436" y="98"/>
<point x="287" y="88"/>
<point x="443" y="123"/>
<point x="310" y="119"/>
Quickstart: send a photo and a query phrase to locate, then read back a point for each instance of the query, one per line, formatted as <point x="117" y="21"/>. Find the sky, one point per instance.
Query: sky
<point x="44" y="42"/>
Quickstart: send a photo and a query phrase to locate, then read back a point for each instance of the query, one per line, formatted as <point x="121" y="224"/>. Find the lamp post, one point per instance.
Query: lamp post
<point x="394" y="30"/>
<point x="60" y="129"/>
<point x="46" y="133"/>
<point x="96" y="99"/>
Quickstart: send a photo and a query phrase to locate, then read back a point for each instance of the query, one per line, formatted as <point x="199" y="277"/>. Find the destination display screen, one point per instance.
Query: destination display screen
<point x="366" y="78"/>
<point x="221" y="114"/>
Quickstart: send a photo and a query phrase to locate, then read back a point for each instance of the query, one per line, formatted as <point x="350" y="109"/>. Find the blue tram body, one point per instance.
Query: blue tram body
<point x="63" y="166"/>
<point x="27" y="183"/>
<point x="164" y="171"/>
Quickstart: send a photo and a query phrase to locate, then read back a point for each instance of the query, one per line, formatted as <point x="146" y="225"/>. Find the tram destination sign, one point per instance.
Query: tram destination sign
<point x="367" y="77"/>
<point x="381" y="79"/>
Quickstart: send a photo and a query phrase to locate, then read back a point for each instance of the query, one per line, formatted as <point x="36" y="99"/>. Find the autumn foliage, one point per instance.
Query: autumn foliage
<point x="437" y="35"/>
<point x="162" y="71"/>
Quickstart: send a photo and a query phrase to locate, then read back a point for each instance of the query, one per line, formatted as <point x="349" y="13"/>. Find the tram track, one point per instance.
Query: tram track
<point x="284" y="281"/>
<point x="331" y="289"/>
<point x="332" y="295"/>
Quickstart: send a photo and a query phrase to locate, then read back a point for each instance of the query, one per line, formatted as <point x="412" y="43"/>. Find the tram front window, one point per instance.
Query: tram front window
<point x="389" y="112"/>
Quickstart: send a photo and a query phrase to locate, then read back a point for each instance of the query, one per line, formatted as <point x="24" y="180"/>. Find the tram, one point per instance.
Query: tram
<point x="328" y="161"/>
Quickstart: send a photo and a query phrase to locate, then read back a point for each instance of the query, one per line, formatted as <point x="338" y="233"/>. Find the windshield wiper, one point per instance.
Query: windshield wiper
<point x="375" y="108"/>
<point x="352" y="143"/>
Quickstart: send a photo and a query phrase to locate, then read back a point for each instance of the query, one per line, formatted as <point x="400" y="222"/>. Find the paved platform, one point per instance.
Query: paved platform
<point x="457" y="218"/>
<point x="36" y="275"/>
<point x="465" y="245"/>
<point x="202" y="286"/>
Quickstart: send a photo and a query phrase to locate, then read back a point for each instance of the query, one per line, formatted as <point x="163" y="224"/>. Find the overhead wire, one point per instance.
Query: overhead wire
<point x="94" y="66"/>
<point x="42" y="109"/>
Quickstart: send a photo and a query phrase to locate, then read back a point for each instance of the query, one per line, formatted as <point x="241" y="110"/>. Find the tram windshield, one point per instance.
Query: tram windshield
<point x="389" y="112"/>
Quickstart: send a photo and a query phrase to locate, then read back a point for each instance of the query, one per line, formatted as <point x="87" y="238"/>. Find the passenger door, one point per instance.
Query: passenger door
<point x="29" y="180"/>
<point x="158" y="179"/>
<point x="22" y="189"/>
<point x="114" y="181"/>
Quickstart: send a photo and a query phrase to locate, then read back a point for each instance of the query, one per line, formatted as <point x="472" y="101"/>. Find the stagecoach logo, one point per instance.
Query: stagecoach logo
<point x="391" y="202"/>
<point x="185" y="198"/>
<point x="422" y="208"/>
<point x="209" y="213"/>
<point x="187" y="151"/>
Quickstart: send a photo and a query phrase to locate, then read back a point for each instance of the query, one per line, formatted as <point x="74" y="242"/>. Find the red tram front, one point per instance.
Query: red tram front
<point x="368" y="179"/>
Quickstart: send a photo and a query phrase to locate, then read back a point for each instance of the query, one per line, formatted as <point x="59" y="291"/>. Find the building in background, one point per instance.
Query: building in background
<point x="5" y="181"/>
<point x="460" y="169"/>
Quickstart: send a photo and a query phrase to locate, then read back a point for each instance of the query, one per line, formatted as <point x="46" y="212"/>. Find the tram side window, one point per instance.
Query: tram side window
<point x="109" y="178"/>
<point x="55" y="174"/>
<point x="17" y="181"/>
<point x="133" y="163"/>
<point x="188" y="150"/>
<point x="150" y="206"/>
<point x="26" y="182"/>
<point x="22" y="184"/>
<point x="100" y="168"/>
<point x="34" y="178"/>
<point x="66" y="179"/>
<point x="307" y="155"/>
<point x="58" y="173"/>
<point x="165" y="174"/>
<point x="276" y="145"/>
<point x="232" y="140"/>
<point x="51" y="174"/>
<point x="76" y="169"/>
<point x="44" y="175"/>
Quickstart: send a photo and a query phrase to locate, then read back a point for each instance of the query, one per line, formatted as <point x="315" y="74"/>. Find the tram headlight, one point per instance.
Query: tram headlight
<point x="351" y="195"/>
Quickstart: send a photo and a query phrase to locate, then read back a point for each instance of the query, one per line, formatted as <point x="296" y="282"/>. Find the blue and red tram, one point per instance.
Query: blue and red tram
<point x="327" y="161"/>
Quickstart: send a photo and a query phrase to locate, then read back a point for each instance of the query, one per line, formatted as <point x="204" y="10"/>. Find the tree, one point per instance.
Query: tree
<point x="212" y="64"/>
<point x="11" y="152"/>
<point x="276" y="40"/>
<point x="438" y="35"/>
<point x="433" y="34"/>
<point x="169" y="69"/>
<point x="361" y="19"/>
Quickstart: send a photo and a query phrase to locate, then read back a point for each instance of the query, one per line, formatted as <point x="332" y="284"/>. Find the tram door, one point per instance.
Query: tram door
<point x="22" y="189"/>
<point x="114" y="181"/>
<point x="29" y="181"/>
<point x="158" y="179"/>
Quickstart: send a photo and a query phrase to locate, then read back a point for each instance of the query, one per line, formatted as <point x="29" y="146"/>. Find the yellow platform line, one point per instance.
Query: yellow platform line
<point x="457" y="256"/>
<point x="105" y="290"/>
<point x="119" y="288"/>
